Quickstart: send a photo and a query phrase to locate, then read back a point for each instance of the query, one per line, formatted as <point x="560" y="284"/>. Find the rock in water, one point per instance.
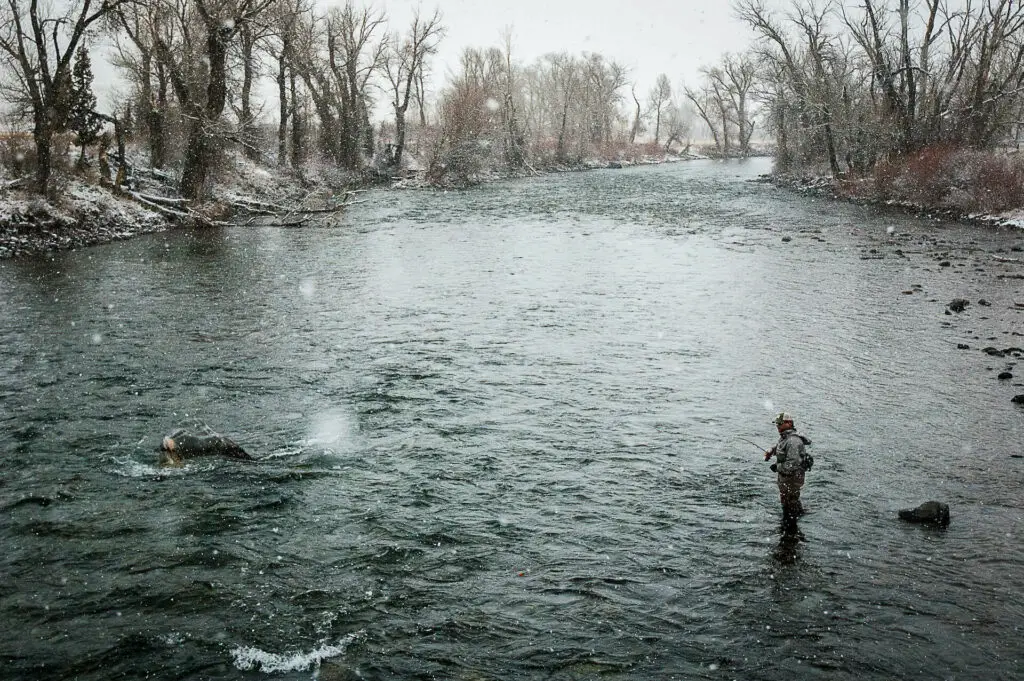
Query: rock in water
<point x="181" y="445"/>
<point x="958" y="304"/>
<point x="930" y="512"/>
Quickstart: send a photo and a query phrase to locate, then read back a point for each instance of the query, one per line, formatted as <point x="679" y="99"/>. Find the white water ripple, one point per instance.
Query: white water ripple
<point x="253" y="659"/>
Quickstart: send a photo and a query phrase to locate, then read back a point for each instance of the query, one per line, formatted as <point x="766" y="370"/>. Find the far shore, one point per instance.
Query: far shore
<point x="89" y="215"/>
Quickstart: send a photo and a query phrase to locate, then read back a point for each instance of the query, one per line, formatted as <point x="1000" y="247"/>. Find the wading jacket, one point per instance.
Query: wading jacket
<point x="789" y="452"/>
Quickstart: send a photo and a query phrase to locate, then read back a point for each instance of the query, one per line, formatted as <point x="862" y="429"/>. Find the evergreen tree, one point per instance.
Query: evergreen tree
<point x="83" y="119"/>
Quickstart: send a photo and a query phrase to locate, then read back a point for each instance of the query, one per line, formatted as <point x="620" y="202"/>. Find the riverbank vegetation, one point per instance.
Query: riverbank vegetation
<point x="909" y="102"/>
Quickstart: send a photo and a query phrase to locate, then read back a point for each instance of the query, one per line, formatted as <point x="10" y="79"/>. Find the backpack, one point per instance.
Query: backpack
<point x="807" y="461"/>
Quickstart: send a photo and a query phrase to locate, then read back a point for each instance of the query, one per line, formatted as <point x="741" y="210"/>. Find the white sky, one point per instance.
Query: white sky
<point x="675" y="37"/>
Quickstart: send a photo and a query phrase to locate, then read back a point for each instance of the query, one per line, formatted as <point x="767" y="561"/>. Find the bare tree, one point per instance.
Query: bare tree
<point x="404" y="61"/>
<point x="38" y="47"/>
<point x="634" y="129"/>
<point x="661" y="95"/>
<point x="207" y="29"/>
<point x="137" y="58"/>
<point x="739" y="73"/>
<point x="706" y="103"/>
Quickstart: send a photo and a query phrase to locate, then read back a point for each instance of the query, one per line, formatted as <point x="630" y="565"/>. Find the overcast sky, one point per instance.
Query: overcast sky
<point x="675" y="37"/>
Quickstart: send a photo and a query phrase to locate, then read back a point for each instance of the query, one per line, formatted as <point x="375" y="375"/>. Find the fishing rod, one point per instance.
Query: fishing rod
<point x="767" y="453"/>
<point x="750" y="442"/>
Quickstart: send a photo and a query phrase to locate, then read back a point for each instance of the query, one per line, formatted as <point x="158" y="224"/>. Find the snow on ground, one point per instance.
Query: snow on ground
<point x="84" y="215"/>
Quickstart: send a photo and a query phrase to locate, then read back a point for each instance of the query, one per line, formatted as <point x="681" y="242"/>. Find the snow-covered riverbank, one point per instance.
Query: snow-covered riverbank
<point x="86" y="215"/>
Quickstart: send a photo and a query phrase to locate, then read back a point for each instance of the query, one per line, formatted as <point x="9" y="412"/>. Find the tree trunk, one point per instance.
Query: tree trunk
<point x="282" y="95"/>
<point x="42" y="135"/>
<point x="366" y="128"/>
<point x="399" y="135"/>
<point x="560" y="154"/>
<point x="199" y="152"/>
<point x="155" y="122"/>
<point x="194" y="175"/>
<point x="298" y="142"/>
<point x="250" y="141"/>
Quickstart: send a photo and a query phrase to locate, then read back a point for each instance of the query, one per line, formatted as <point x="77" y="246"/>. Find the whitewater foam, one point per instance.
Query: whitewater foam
<point x="249" y="659"/>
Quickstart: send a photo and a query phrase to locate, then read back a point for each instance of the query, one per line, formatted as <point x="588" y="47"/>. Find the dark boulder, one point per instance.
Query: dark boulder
<point x="930" y="513"/>
<point x="182" y="445"/>
<point x="1018" y="399"/>
<point x="958" y="304"/>
<point x="1005" y="376"/>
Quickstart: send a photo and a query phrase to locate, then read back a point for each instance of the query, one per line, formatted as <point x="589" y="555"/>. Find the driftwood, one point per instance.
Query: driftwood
<point x="289" y="217"/>
<point x="159" y="207"/>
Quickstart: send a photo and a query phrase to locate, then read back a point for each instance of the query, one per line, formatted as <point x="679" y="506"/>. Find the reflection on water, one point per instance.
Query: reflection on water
<point x="501" y="436"/>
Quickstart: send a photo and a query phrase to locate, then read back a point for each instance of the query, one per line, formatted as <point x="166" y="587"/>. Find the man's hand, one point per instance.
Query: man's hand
<point x="769" y="454"/>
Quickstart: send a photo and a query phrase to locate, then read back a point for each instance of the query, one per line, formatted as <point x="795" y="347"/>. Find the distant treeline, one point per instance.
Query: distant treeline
<point x="846" y="86"/>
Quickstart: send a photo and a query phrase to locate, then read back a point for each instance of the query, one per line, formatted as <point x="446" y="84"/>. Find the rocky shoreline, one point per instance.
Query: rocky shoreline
<point x="989" y="317"/>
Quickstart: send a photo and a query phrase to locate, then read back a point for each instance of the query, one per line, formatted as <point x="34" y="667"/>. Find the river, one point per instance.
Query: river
<point x="500" y="438"/>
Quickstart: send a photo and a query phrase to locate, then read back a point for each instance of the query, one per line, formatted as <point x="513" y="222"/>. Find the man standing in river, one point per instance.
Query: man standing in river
<point x="791" y="462"/>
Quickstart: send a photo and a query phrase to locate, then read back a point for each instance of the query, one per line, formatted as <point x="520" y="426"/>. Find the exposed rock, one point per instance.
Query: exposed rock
<point x="963" y="346"/>
<point x="182" y="444"/>
<point x="930" y="513"/>
<point x="1005" y="376"/>
<point x="994" y="352"/>
<point x="1018" y="399"/>
<point x="958" y="304"/>
<point x="984" y="303"/>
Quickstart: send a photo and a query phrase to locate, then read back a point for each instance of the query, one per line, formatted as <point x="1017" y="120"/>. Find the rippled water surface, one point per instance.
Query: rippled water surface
<point x="500" y="439"/>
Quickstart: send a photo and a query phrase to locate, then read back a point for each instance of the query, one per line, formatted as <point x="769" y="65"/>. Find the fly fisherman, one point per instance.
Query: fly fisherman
<point x="792" y="460"/>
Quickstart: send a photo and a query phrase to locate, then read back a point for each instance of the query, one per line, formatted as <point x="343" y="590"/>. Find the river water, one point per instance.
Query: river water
<point x="500" y="439"/>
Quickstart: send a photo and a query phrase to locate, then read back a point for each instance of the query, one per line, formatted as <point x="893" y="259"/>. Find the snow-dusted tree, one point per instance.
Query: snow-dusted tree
<point x="193" y="46"/>
<point x="658" y="99"/>
<point x="812" y="65"/>
<point x="82" y="118"/>
<point x="559" y="81"/>
<point x="283" y="19"/>
<point x="739" y="73"/>
<point x="404" y="64"/>
<point x="355" y="53"/>
<point x="336" y="57"/>
<point x="707" y="103"/>
<point x="136" y="24"/>
<point x="37" y="45"/>
<point x="638" y="122"/>
<point x="514" y="138"/>
<point x="471" y="125"/>
<point x="677" y="121"/>
<point x="603" y="81"/>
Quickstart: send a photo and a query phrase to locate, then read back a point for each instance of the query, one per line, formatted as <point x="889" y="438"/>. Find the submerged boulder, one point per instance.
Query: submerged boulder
<point x="930" y="512"/>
